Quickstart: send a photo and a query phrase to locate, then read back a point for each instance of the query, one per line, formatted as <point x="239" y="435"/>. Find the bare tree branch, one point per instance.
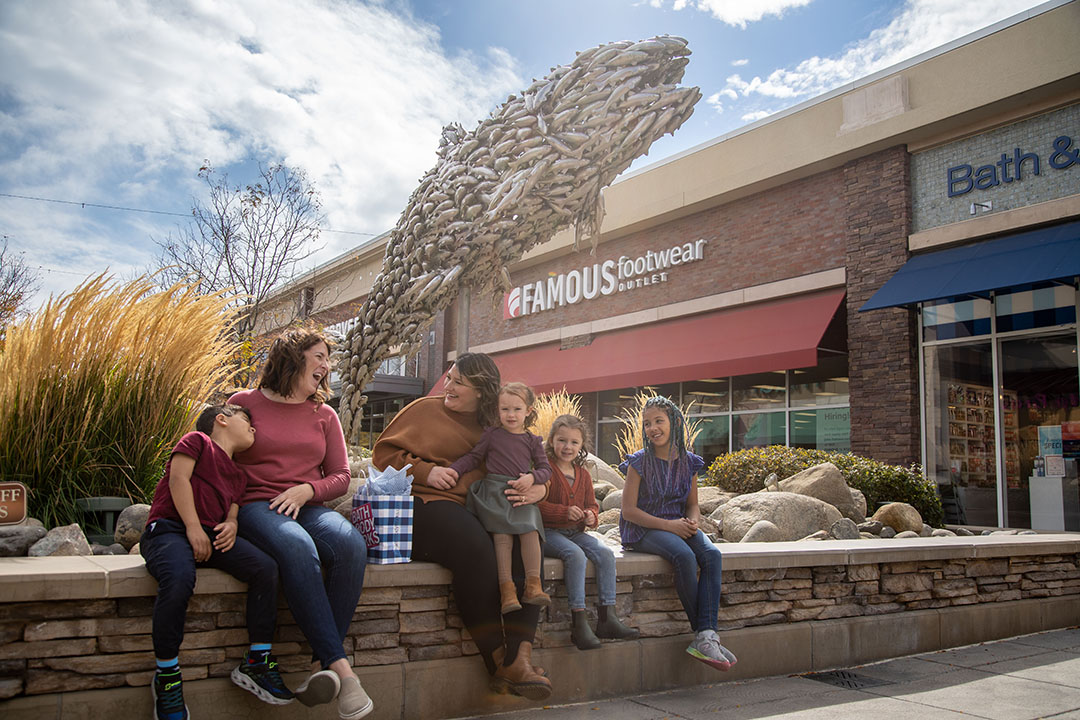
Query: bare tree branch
<point x="18" y="282"/>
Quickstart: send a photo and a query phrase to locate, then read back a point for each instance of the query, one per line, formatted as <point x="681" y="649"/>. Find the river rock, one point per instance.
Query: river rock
<point x="907" y="534"/>
<point x="871" y="526"/>
<point x="763" y="531"/>
<point x="826" y="483"/>
<point x="900" y="517"/>
<point x="66" y="540"/>
<point x="926" y="531"/>
<point x="942" y="532"/>
<point x="887" y="532"/>
<point x="130" y="524"/>
<point x="610" y="517"/>
<point x="613" y="501"/>
<point x="795" y="515"/>
<point x="860" y="501"/>
<point x="844" y="529"/>
<point x="15" y="540"/>
<point x="602" y="472"/>
<point x="964" y="532"/>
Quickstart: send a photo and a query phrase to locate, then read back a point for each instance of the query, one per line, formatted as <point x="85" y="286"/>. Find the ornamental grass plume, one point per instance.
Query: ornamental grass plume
<point x="628" y="440"/>
<point x="97" y="386"/>
<point x="550" y="406"/>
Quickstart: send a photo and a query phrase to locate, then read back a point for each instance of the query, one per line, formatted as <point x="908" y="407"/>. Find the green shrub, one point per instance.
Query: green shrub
<point x="745" y="471"/>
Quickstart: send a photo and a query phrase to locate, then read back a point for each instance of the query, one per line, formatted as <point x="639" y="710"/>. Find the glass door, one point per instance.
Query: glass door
<point x="1040" y="414"/>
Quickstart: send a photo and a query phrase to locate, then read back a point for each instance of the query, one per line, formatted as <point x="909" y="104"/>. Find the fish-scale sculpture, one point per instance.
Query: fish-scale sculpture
<point x="537" y="165"/>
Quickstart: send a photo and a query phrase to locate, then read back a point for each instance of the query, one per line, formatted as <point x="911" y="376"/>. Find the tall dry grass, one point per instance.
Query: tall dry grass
<point x="550" y="406"/>
<point x="629" y="439"/>
<point x="97" y="386"/>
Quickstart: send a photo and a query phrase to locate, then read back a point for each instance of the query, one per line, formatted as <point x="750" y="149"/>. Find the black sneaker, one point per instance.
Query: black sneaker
<point x="168" y="689"/>
<point x="259" y="675"/>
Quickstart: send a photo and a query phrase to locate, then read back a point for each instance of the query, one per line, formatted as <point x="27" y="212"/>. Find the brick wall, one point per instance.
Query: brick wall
<point x="785" y="232"/>
<point x="882" y="344"/>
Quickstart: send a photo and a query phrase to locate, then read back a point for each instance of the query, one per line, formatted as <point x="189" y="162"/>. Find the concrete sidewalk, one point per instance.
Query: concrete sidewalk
<point x="1022" y="678"/>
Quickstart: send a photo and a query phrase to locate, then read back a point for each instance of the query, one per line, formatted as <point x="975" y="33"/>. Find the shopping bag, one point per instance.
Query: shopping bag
<point x="392" y="519"/>
<point x="382" y="511"/>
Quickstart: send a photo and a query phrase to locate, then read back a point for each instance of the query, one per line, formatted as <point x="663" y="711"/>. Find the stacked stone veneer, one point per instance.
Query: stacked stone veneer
<point x="97" y="633"/>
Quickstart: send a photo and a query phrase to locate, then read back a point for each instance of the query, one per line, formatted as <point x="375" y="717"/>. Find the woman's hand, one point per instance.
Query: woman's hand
<point x="226" y="535"/>
<point x="523" y="483"/>
<point x="534" y="494"/>
<point x="683" y="527"/>
<point x="442" y="478"/>
<point x="290" y="501"/>
<point x="575" y="514"/>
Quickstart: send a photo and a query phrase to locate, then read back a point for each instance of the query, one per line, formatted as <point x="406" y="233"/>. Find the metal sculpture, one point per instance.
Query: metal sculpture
<point x="536" y="166"/>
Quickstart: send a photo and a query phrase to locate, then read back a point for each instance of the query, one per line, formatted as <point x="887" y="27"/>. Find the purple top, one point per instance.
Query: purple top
<point x="657" y="496"/>
<point x="507" y="453"/>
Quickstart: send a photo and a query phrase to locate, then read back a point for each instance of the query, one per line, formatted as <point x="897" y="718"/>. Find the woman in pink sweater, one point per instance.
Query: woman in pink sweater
<point x="297" y="462"/>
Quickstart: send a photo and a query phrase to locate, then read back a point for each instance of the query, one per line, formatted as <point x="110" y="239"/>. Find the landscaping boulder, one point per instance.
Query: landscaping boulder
<point x="900" y="517"/>
<point x="602" y="472"/>
<point x="609" y="517"/>
<point x="873" y="527"/>
<point x="844" y="529"/>
<point x="763" y="531"/>
<point x="709" y="527"/>
<point x="710" y="498"/>
<point x="795" y="515"/>
<point x="15" y="540"/>
<point x="66" y="540"/>
<point x="130" y="524"/>
<point x="926" y="531"/>
<point x="860" y="501"/>
<point x="602" y="489"/>
<point x="826" y="483"/>
<point x="613" y="501"/>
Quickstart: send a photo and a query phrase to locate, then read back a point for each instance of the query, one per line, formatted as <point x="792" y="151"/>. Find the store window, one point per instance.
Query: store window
<point x="1001" y="402"/>
<point x="806" y="407"/>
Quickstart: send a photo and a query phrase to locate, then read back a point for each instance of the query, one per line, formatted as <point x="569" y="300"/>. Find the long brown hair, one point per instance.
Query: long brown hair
<point x="482" y="373"/>
<point x="570" y="422"/>
<point x="285" y="363"/>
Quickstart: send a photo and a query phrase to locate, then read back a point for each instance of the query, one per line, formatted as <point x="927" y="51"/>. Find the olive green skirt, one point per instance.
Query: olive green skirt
<point x="487" y="501"/>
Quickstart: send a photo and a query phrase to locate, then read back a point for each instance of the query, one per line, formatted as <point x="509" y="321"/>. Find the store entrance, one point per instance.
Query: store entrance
<point x="1041" y="431"/>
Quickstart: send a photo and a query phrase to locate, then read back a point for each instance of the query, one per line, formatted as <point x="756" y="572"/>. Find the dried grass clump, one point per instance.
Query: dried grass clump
<point x="629" y="439"/>
<point x="97" y="386"/>
<point x="550" y="406"/>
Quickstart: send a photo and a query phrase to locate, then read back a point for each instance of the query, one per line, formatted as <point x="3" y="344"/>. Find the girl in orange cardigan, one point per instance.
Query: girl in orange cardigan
<point x="569" y="510"/>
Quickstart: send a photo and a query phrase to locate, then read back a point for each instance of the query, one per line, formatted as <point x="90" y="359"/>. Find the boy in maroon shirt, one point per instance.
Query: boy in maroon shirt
<point x="192" y="523"/>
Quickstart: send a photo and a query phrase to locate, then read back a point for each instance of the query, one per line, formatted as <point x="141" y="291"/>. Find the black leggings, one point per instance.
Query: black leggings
<point x="448" y="534"/>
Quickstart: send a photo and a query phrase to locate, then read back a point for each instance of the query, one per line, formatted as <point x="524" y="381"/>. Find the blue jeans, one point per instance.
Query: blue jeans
<point x="170" y="559"/>
<point x="573" y="547"/>
<point x="318" y="540"/>
<point x="700" y="598"/>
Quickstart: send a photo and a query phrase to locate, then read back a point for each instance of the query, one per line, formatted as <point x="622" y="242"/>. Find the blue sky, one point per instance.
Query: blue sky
<point x="119" y="102"/>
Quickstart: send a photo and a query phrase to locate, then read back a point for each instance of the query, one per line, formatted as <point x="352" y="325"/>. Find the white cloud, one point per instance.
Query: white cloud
<point x="740" y="62"/>
<point x="715" y="102"/>
<point x="755" y="116"/>
<point x="738" y="13"/>
<point x="922" y="25"/>
<point x="119" y="101"/>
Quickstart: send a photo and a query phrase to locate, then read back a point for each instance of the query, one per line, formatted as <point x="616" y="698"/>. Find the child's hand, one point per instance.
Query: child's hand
<point x="591" y="520"/>
<point x="200" y="543"/>
<point x="574" y="514"/>
<point x="442" y="478"/>
<point x="682" y="527"/>
<point x="226" y="536"/>
<point x="523" y="483"/>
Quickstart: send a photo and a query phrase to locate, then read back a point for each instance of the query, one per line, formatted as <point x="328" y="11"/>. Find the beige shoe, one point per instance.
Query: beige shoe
<point x="521" y="677"/>
<point x="508" y="597"/>
<point x="534" y="592"/>
<point x="353" y="702"/>
<point x="320" y="688"/>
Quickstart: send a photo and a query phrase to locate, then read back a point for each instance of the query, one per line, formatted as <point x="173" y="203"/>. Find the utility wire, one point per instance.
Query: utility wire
<point x="152" y="212"/>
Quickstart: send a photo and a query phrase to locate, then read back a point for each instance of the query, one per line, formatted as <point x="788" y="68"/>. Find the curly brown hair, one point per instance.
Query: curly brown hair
<point x="482" y="373"/>
<point x="285" y="363"/>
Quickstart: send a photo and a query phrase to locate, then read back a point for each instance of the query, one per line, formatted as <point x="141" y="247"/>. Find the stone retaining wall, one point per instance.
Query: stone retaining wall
<point x="73" y="624"/>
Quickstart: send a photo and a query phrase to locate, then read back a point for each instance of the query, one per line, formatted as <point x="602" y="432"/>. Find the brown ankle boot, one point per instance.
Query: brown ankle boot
<point x="521" y="678"/>
<point x="534" y="592"/>
<point x="508" y="592"/>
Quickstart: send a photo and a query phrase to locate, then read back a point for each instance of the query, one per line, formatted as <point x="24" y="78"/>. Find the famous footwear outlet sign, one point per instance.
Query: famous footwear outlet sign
<point x="600" y="279"/>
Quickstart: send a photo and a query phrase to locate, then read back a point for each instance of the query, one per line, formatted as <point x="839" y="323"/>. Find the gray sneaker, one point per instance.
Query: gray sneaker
<point x="320" y="688"/>
<point x="706" y="647"/>
<point x="353" y="702"/>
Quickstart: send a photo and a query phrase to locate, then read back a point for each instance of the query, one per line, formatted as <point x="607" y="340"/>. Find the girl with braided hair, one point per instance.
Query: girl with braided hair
<point x="660" y="516"/>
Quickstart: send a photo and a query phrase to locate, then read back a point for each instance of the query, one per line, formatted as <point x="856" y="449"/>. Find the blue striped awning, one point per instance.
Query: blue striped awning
<point x="1046" y="254"/>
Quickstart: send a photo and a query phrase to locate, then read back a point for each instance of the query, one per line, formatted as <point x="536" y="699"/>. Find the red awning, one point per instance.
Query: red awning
<point x="776" y="335"/>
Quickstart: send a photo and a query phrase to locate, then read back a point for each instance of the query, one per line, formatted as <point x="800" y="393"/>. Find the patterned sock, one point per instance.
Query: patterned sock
<point x="167" y="665"/>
